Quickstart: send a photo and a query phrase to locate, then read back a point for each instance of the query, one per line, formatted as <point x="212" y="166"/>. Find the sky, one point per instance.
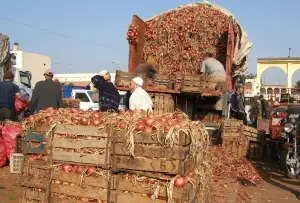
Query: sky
<point x="88" y="36"/>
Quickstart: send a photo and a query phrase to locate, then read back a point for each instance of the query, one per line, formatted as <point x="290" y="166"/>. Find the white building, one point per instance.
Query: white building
<point x="33" y="62"/>
<point x="252" y="87"/>
<point x="79" y="79"/>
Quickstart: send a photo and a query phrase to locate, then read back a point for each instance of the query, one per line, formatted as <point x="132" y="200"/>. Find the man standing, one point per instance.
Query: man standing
<point x="237" y="109"/>
<point x="265" y="106"/>
<point x="213" y="68"/>
<point x="46" y="94"/>
<point x="8" y="93"/>
<point x="109" y="97"/>
<point x="139" y="99"/>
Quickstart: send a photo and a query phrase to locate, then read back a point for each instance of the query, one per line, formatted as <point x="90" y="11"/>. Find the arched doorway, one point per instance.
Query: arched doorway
<point x="274" y="76"/>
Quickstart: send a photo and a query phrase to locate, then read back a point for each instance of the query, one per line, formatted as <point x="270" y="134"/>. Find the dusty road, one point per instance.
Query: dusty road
<point x="275" y="189"/>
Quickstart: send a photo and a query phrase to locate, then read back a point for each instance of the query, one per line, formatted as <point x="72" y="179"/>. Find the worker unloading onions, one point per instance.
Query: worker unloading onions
<point x="139" y="99"/>
<point x="213" y="68"/>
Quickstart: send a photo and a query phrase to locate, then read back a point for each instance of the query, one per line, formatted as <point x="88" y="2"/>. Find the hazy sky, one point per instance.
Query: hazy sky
<point x="94" y="31"/>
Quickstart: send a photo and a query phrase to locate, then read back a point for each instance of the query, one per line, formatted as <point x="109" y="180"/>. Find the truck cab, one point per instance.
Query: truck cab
<point x="23" y="80"/>
<point x="89" y="99"/>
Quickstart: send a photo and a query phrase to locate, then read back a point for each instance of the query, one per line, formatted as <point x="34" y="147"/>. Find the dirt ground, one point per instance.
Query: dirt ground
<point x="275" y="188"/>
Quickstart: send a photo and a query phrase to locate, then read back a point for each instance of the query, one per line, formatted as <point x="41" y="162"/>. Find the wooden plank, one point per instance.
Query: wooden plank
<point x="35" y="171"/>
<point x="145" y="138"/>
<point x="35" y="182"/>
<point x="87" y="192"/>
<point x="79" y="158"/>
<point x="95" y="181"/>
<point x="80" y="130"/>
<point x="153" y="151"/>
<point x="33" y="194"/>
<point x="78" y="144"/>
<point x="65" y="200"/>
<point x="124" y="198"/>
<point x="122" y="184"/>
<point x="155" y="165"/>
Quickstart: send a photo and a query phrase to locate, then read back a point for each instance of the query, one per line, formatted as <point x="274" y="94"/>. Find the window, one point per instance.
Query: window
<point x="25" y="79"/>
<point x="82" y="97"/>
<point x="94" y="96"/>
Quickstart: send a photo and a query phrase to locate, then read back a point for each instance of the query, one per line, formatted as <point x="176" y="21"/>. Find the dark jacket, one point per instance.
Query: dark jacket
<point x="237" y="102"/>
<point x="109" y="97"/>
<point x="46" y="94"/>
<point x="8" y="91"/>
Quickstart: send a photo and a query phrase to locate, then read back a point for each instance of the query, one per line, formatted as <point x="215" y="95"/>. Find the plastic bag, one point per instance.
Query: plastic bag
<point x="19" y="105"/>
<point x="3" y="156"/>
<point x="9" y="134"/>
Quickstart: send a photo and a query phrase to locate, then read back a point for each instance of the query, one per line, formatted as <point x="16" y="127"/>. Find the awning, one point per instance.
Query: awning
<point x="76" y="83"/>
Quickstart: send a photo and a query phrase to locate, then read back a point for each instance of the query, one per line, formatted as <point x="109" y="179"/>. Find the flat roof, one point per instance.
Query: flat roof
<point x="278" y="58"/>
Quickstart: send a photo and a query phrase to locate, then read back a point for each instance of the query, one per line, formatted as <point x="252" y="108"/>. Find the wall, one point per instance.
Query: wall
<point x="36" y="64"/>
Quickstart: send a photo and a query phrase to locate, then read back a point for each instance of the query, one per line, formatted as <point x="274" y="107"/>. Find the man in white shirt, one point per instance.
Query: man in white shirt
<point x="213" y="68"/>
<point x="139" y="99"/>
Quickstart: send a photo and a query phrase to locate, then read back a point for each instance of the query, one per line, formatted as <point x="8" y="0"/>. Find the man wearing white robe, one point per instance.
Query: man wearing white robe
<point x="139" y="99"/>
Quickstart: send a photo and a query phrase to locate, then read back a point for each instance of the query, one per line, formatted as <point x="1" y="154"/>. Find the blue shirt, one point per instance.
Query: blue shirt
<point x="8" y="91"/>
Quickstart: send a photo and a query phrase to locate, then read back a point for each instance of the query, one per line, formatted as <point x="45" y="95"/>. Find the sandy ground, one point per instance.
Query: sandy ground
<point x="274" y="189"/>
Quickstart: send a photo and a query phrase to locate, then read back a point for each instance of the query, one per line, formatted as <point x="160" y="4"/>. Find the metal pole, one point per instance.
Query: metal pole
<point x="290" y="53"/>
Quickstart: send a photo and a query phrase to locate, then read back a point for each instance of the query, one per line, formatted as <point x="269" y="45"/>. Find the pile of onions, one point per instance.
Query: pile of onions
<point x="9" y="133"/>
<point x="178" y="39"/>
<point x="68" y="168"/>
<point x="132" y="34"/>
<point x="3" y="156"/>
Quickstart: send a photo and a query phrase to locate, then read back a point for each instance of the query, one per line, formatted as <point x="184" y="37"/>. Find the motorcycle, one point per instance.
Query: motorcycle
<point x="290" y="155"/>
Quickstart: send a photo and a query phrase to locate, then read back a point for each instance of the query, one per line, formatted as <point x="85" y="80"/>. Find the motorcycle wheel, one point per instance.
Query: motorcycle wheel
<point x="289" y="171"/>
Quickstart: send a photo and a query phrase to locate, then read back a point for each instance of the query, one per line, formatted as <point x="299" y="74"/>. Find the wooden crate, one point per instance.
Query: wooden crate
<point x="231" y="128"/>
<point x="92" y="187"/>
<point x="162" y="82"/>
<point x="249" y="132"/>
<point x="198" y="86"/>
<point x="163" y="103"/>
<point x="236" y="145"/>
<point x="123" y="79"/>
<point x="34" y="180"/>
<point x="15" y="163"/>
<point x="83" y="137"/>
<point x="34" y="143"/>
<point x="151" y="156"/>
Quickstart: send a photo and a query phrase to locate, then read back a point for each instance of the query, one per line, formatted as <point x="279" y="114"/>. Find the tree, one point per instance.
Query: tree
<point x="297" y="84"/>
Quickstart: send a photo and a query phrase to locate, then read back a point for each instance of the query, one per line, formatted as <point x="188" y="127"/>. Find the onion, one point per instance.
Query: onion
<point x="67" y="168"/>
<point x="96" y="122"/>
<point x="191" y="174"/>
<point x="84" y="121"/>
<point x="157" y="123"/>
<point x="78" y="169"/>
<point x="32" y="118"/>
<point x="97" y="115"/>
<point x="166" y="128"/>
<point x="180" y="182"/>
<point x="149" y="121"/>
<point x="140" y="126"/>
<point x="91" y="170"/>
<point x="122" y="125"/>
<point x="177" y="126"/>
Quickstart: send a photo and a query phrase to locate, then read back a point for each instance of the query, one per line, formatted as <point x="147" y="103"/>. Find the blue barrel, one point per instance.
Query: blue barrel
<point x="67" y="92"/>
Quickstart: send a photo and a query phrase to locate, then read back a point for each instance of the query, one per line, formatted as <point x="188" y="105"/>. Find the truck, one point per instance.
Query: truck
<point x="197" y="104"/>
<point x="7" y="62"/>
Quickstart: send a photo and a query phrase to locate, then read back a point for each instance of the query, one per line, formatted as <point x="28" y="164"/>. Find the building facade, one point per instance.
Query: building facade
<point x="32" y="62"/>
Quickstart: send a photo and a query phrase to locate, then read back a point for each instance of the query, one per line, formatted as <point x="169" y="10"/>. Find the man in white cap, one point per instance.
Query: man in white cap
<point x="46" y="94"/>
<point x="139" y="99"/>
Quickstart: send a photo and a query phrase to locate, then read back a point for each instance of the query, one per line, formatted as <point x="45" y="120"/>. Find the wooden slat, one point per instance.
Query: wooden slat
<point x="88" y="192"/>
<point x="95" y="181"/>
<point x="78" y="157"/>
<point x="122" y="184"/>
<point x="144" y="138"/>
<point x="36" y="171"/>
<point x="34" y="194"/>
<point x="78" y="144"/>
<point x="153" y="151"/>
<point x="155" y="165"/>
<point x="80" y="130"/>
<point x="65" y="200"/>
<point x="35" y="182"/>
<point x="124" y="198"/>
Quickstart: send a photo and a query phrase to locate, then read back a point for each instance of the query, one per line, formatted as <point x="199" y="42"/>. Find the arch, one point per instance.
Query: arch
<point x="270" y="90"/>
<point x="274" y="75"/>
<point x="263" y="91"/>
<point x="248" y="85"/>
<point x="276" y="91"/>
<point x="296" y="76"/>
<point x="283" y="90"/>
<point x="288" y="65"/>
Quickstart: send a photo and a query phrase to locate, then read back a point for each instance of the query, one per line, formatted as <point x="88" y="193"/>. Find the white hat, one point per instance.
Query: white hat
<point x="102" y="73"/>
<point x="139" y="81"/>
